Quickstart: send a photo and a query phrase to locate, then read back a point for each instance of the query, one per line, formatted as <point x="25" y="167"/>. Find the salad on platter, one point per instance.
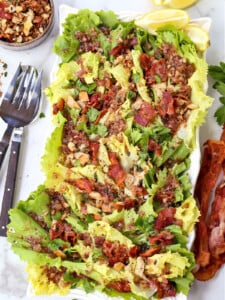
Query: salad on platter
<point x="116" y="209"/>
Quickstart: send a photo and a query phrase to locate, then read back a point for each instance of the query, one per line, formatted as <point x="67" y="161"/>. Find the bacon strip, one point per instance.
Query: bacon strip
<point x="217" y="223"/>
<point x="201" y="245"/>
<point x="209" y="245"/>
<point x="213" y="157"/>
<point x="208" y="272"/>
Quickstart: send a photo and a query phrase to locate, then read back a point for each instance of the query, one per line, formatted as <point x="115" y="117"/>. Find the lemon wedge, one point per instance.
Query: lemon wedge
<point x="174" y="3"/>
<point x="155" y="19"/>
<point x="199" y="36"/>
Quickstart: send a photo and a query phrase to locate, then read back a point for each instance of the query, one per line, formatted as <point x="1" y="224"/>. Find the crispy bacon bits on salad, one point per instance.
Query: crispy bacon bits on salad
<point x="115" y="211"/>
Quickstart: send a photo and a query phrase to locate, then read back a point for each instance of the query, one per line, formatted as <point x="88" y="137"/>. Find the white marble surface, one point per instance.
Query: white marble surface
<point x="13" y="284"/>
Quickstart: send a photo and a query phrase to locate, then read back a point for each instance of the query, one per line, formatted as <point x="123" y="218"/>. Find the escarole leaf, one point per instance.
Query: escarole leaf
<point x="52" y="151"/>
<point x="198" y="83"/>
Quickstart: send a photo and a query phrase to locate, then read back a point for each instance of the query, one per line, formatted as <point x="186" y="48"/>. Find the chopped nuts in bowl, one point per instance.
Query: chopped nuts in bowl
<point x="24" y="24"/>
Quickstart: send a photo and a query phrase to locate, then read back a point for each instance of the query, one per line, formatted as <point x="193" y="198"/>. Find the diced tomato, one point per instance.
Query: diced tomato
<point x="84" y="184"/>
<point x="145" y="114"/>
<point x="115" y="170"/>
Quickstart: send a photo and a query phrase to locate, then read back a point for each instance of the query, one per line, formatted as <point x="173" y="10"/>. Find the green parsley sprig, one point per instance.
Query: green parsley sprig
<point x="218" y="74"/>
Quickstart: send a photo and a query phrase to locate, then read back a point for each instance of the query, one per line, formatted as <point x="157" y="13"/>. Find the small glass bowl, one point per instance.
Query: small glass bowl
<point x="36" y="41"/>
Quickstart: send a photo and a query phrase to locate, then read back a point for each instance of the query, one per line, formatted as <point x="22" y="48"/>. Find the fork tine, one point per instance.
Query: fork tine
<point x="24" y="102"/>
<point x="10" y="91"/>
<point x="35" y="96"/>
<point x="21" y="86"/>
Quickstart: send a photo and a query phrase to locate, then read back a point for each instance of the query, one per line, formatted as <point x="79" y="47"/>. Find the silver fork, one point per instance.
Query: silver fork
<point x="9" y="106"/>
<point x="20" y="115"/>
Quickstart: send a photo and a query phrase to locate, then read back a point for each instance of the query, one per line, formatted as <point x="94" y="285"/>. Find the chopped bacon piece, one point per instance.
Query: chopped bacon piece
<point x="153" y="67"/>
<point x="139" y="191"/>
<point x="117" y="125"/>
<point x="121" y="48"/>
<point x="94" y="147"/>
<point x="115" y="170"/>
<point x="166" y="105"/>
<point x="120" y="286"/>
<point x="129" y="203"/>
<point x="164" y="289"/>
<point x="109" y="207"/>
<point x="165" y="218"/>
<point x="165" y="195"/>
<point x="145" y="114"/>
<point x="83" y="184"/>
<point x="106" y="190"/>
<point x="163" y="238"/>
<point x="151" y="251"/>
<point x="95" y="101"/>
<point x="154" y="146"/>
<point x="86" y="238"/>
<point x="134" y="251"/>
<point x="99" y="241"/>
<point x="59" y="106"/>
<point x="116" y="252"/>
<point x="54" y="274"/>
<point x="158" y="68"/>
<point x="100" y="115"/>
<point x="64" y="231"/>
<point x="146" y="61"/>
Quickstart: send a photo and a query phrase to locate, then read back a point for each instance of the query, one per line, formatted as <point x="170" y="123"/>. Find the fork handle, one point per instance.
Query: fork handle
<point x="5" y="143"/>
<point x="7" y="201"/>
